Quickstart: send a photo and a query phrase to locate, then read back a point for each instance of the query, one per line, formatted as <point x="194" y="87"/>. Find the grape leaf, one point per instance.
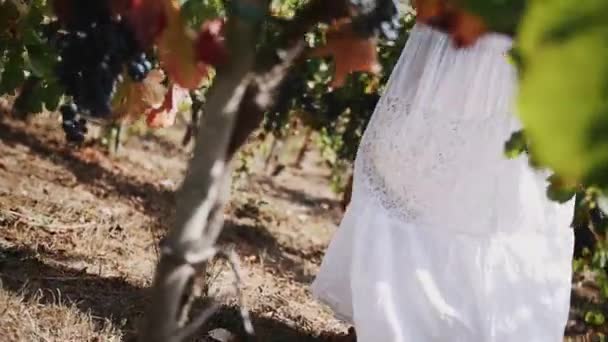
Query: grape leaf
<point x="595" y="318"/>
<point x="36" y="95"/>
<point x="563" y="97"/>
<point x="516" y="145"/>
<point x="147" y="18"/>
<point x="176" y="50"/>
<point x="464" y="26"/>
<point x="136" y="99"/>
<point x="499" y="16"/>
<point x="196" y="12"/>
<point x="34" y="101"/>
<point x="40" y="61"/>
<point x="559" y="191"/>
<point x="210" y="44"/>
<point x="350" y="51"/>
<point x="176" y="100"/>
<point x="9" y="17"/>
<point x="52" y="95"/>
<point x="600" y="256"/>
<point x="34" y="16"/>
<point x="12" y="76"/>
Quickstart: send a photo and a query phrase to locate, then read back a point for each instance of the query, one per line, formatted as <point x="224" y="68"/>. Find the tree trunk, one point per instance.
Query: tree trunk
<point x="201" y="199"/>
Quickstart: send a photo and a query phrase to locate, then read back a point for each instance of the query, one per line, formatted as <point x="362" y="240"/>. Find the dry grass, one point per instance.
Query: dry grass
<point x="48" y="316"/>
<point x="79" y="230"/>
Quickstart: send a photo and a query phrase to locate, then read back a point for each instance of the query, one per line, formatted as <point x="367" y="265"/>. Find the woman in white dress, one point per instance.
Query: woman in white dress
<point x="445" y="239"/>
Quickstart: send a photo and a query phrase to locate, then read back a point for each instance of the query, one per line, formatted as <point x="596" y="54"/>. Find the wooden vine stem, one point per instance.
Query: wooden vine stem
<point x="241" y="92"/>
<point x="201" y="198"/>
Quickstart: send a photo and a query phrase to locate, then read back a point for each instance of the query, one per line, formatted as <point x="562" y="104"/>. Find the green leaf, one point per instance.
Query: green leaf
<point x="37" y="95"/>
<point x="8" y="15"/>
<point x="600" y="256"/>
<point x="500" y="16"/>
<point x="29" y="99"/>
<point x="12" y="75"/>
<point x="595" y="318"/>
<point x="195" y="12"/>
<point x="515" y="58"/>
<point x="30" y="36"/>
<point x="41" y="62"/>
<point x="578" y="265"/>
<point x="516" y="145"/>
<point x="604" y="289"/>
<point x="563" y="100"/>
<point x="558" y="191"/>
<point x="52" y="95"/>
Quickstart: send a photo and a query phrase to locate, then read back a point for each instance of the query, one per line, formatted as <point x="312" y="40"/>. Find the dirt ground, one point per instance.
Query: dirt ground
<point x="78" y="236"/>
<point x="79" y="230"/>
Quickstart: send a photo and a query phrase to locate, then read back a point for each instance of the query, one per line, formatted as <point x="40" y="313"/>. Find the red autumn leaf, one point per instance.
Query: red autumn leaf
<point x="350" y="51"/>
<point x="447" y="15"/>
<point x="164" y="115"/>
<point x="429" y="10"/>
<point x="147" y="18"/>
<point x="211" y="43"/>
<point x="466" y="28"/>
<point x="176" y="50"/>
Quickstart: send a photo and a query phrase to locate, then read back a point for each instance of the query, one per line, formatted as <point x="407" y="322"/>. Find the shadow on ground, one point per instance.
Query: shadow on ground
<point x="23" y="272"/>
<point x="316" y="205"/>
<point x="253" y="239"/>
<point x="153" y="199"/>
<point x="267" y="329"/>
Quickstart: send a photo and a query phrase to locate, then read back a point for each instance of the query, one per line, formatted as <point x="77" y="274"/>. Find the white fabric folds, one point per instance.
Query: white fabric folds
<point x="446" y="239"/>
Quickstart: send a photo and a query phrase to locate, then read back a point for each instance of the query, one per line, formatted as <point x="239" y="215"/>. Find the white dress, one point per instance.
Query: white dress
<point x="445" y="239"/>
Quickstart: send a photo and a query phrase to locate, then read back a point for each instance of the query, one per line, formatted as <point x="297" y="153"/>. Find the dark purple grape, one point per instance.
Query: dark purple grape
<point x="75" y="131"/>
<point x="147" y="65"/>
<point x="68" y="111"/>
<point x="136" y="71"/>
<point x="95" y="47"/>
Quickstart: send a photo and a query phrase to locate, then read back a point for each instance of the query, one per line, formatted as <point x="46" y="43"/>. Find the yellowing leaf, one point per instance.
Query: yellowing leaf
<point x="350" y="52"/>
<point x="176" y="99"/>
<point x="176" y="50"/>
<point x="136" y="99"/>
<point x="563" y="100"/>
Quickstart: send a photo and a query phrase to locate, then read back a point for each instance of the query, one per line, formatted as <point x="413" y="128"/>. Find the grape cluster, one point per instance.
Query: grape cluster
<point x="377" y="17"/>
<point x="139" y="67"/>
<point x="95" y="47"/>
<point x="75" y="128"/>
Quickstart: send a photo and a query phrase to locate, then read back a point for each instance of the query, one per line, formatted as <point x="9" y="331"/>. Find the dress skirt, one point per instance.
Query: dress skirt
<point x="445" y="239"/>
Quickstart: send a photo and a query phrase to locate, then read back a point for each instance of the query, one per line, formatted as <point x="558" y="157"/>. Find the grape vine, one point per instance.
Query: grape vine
<point x="95" y="47"/>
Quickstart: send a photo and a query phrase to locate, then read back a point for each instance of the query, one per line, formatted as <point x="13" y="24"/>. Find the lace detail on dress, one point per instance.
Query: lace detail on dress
<point x="365" y="169"/>
<point x="420" y="164"/>
<point x="433" y="152"/>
